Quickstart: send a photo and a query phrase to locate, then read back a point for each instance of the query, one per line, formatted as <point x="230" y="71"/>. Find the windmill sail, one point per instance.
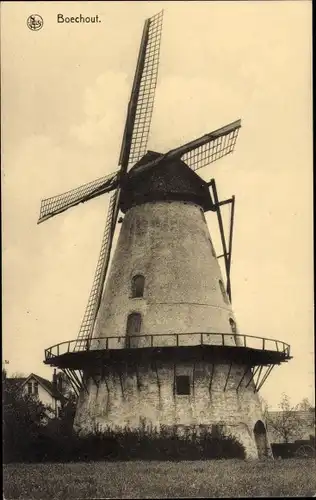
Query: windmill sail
<point x="204" y="150"/>
<point x="134" y="145"/>
<point x="141" y="104"/>
<point x="57" y="204"/>
<point x="211" y="147"/>
<point x="86" y="328"/>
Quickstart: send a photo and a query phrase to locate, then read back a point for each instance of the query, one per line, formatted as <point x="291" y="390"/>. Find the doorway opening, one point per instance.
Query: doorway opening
<point x="260" y="434"/>
<point x="133" y="327"/>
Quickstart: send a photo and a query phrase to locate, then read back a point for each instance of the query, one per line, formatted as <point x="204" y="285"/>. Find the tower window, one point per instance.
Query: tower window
<point x="221" y="285"/>
<point x="233" y="326"/>
<point x="138" y="284"/>
<point x="183" y="385"/>
<point x="134" y="323"/>
<point x="29" y="387"/>
<point x="36" y="388"/>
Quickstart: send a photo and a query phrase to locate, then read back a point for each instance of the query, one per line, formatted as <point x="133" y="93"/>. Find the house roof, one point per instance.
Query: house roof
<point x="15" y="381"/>
<point x="306" y="417"/>
<point x="46" y="384"/>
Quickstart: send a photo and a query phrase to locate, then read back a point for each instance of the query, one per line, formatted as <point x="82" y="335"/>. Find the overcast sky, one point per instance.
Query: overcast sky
<point x="65" y="90"/>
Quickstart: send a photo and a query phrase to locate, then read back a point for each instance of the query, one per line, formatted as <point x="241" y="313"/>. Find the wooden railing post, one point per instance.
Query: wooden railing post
<point x="201" y="338"/>
<point x="151" y="341"/>
<point x="57" y="349"/>
<point x="177" y="337"/>
<point x="263" y="344"/>
<point x="223" y="343"/>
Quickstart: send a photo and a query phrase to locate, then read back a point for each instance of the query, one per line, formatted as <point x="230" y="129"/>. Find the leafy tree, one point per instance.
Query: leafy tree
<point x="305" y="405"/>
<point x="264" y="407"/>
<point x="287" y="423"/>
<point x="68" y="409"/>
<point x="23" y="415"/>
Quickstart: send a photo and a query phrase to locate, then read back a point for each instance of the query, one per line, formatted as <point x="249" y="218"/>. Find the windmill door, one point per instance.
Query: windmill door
<point x="133" y="328"/>
<point x="261" y="439"/>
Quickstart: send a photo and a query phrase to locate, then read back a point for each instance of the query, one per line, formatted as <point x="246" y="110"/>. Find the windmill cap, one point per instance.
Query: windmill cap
<point x="168" y="180"/>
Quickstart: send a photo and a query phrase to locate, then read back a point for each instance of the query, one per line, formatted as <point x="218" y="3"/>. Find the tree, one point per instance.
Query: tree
<point x="23" y="416"/>
<point x="305" y="405"/>
<point x="287" y="423"/>
<point x="264" y="407"/>
<point x="68" y="409"/>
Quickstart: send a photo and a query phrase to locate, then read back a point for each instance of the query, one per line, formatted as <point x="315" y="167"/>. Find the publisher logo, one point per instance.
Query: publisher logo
<point x="35" y="22"/>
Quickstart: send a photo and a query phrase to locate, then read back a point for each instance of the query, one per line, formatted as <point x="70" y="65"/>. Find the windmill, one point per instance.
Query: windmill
<point x="147" y="327"/>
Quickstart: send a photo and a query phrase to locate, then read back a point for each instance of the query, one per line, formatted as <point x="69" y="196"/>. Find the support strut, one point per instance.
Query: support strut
<point x="227" y="252"/>
<point x="193" y="379"/>
<point x="253" y="374"/>
<point x="227" y="378"/>
<point x="211" y="379"/>
<point x="247" y="369"/>
<point x="264" y="378"/>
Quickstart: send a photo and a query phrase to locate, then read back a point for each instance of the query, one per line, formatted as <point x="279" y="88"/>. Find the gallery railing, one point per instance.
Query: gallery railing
<point x="170" y="340"/>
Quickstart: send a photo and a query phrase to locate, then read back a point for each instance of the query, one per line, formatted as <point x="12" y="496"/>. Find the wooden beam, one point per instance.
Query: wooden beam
<point x="211" y="379"/>
<point x="227" y="378"/>
<point x="253" y="374"/>
<point x="264" y="378"/>
<point x="230" y="243"/>
<point x="157" y="375"/>
<point x="174" y="379"/>
<point x="121" y="381"/>
<point x="248" y="368"/>
<point x="221" y="228"/>
<point x="258" y="377"/>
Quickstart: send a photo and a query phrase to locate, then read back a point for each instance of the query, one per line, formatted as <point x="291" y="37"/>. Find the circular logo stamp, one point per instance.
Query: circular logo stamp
<point x="35" y="22"/>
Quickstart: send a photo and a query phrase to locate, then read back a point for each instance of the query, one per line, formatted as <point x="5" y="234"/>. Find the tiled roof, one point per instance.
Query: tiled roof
<point x="14" y="382"/>
<point x="306" y="416"/>
<point x="49" y="386"/>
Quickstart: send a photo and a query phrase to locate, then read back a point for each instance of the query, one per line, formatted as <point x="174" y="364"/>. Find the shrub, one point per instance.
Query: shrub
<point x="49" y="444"/>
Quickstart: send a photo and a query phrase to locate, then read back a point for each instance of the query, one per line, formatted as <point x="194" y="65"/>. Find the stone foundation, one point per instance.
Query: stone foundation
<point x="128" y="397"/>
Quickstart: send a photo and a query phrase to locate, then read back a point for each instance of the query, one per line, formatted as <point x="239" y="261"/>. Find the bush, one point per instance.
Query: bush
<point x="49" y="444"/>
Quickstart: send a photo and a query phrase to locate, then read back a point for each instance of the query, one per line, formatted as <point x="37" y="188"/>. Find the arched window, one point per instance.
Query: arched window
<point x="134" y="323"/>
<point x="233" y="326"/>
<point x="138" y="284"/>
<point x="221" y="285"/>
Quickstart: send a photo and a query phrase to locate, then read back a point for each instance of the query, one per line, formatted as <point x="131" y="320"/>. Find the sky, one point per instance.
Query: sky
<point x="65" y="91"/>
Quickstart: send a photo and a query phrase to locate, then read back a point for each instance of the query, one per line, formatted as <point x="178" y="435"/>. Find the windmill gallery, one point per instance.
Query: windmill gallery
<point x="159" y="341"/>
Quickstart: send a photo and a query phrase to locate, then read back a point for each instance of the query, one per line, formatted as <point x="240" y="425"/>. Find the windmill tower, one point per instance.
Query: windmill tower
<point x="159" y="341"/>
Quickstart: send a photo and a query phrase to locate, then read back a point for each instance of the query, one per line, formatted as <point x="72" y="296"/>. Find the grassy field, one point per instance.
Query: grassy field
<point x="222" y="478"/>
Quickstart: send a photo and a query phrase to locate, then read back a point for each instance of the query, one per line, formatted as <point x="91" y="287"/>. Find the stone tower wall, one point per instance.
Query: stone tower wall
<point x="170" y="245"/>
<point x="129" y="397"/>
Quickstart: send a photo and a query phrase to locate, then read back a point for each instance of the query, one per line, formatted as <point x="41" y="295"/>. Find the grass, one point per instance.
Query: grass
<point x="217" y="478"/>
